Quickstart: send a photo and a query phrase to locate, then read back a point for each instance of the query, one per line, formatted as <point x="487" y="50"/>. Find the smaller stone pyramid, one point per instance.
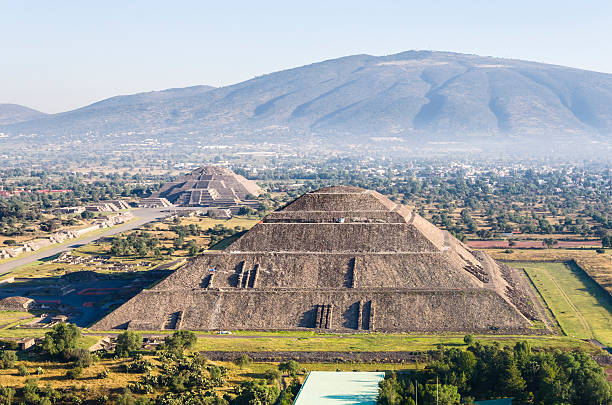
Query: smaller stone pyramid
<point x="210" y="186"/>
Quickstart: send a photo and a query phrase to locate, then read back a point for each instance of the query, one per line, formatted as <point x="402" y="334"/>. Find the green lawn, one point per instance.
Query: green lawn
<point x="582" y="308"/>
<point x="374" y="342"/>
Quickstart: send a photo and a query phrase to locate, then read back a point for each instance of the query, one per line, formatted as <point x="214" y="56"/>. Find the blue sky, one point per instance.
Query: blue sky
<point x="60" y="55"/>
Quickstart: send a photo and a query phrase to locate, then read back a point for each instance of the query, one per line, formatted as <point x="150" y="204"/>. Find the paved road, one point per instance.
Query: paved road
<point x="142" y="215"/>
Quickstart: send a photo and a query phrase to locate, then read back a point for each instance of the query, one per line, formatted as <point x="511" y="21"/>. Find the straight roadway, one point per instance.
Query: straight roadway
<point x="141" y="215"/>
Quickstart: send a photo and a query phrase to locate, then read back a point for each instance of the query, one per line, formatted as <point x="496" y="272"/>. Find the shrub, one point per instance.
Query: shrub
<point x="102" y="400"/>
<point x="74" y="372"/>
<point x="7" y="359"/>
<point x="468" y="340"/>
<point x="103" y="374"/>
<point x="140" y="388"/>
<point x="243" y="361"/>
<point x="256" y="392"/>
<point x="39" y="371"/>
<point x="272" y="375"/>
<point x="22" y="370"/>
<point x="128" y="342"/>
<point x="180" y="340"/>
<point x="141" y="366"/>
<point x="290" y="367"/>
<point x="216" y="375"/>
<point x="81" y="357"/>
<point x="6" y="395"/>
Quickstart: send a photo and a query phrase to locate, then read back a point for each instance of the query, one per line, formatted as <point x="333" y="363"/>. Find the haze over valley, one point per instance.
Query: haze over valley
<point x="409" y="98"/>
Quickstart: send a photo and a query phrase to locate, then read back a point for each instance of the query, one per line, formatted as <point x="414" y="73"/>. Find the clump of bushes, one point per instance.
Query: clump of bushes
<point x="7" y="359"/>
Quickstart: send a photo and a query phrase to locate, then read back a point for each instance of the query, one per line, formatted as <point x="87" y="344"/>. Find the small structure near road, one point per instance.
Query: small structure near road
<point x="220" y="213"/>
<point x="153" y="202"/>
<point x="63" y="235"/>
<point x="26" y="343"/>
<point x="339" y="388"/>
<point x="106" y="343"/>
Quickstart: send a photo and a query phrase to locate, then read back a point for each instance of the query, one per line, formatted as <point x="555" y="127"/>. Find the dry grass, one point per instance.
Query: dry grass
<point x="55" y="375"/>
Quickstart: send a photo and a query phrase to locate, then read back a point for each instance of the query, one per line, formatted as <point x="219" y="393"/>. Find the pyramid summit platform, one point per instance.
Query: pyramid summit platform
<point x="338" y="259"/>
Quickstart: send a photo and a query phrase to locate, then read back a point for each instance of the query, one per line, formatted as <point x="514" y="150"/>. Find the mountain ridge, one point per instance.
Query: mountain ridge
<point x="413" y="95"/>
<point x="15" y="113"/>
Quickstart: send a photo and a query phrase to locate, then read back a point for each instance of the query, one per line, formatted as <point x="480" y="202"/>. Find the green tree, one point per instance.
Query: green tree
<point x="272" y="376"/>
<point x="7" y="359"/>
<point x="128" y="342"/>
<point x="243" y="361"/>
<point x="193" y="248"/>
<point x="288" y="395"/>
<point x="389" y="391"/>
<point x="513" y="383"/>
<point x="63" y="337"/>
<point x="549" y="242"/>
<point x="468" y="340"/>
<point x="256" y="392"/>
<point x="290" y="367"/>
<point x="441" y="394"/>
<point x="180" y="340"/>
<point x="81" y="357"/>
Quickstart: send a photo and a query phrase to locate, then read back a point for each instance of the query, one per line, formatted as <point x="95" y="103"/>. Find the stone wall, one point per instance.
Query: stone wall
<point x="295" y="309"/>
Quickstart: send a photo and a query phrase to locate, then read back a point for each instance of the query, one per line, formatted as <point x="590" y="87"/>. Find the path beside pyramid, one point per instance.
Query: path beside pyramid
<point x="338" y="259"/>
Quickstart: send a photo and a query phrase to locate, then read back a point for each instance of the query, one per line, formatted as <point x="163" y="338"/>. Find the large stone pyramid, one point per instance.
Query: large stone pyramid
<point x="209" y="186"/>
<point x="341" y="259"/>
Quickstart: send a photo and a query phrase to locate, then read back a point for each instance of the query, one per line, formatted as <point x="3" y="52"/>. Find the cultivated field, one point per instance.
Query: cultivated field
<point x="582" y="308"/>
<point x="530" y="244"/>
<point x="596" y="265"/>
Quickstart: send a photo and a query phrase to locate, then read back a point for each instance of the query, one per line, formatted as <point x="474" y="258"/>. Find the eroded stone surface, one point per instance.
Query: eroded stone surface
<point x="340" y="259"/>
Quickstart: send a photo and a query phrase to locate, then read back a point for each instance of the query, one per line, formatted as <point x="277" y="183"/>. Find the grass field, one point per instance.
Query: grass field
<point x="375" y="342"/>
<point x="582" y="308"/>
<point x="596" y="265"/>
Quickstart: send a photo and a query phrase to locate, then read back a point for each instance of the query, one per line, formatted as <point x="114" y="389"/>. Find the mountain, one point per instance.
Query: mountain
<point x="415" y="96"/>
<point x="14" y="113"/>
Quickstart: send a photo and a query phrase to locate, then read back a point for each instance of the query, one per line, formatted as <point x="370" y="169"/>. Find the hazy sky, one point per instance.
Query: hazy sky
<point x="59" y="55"/>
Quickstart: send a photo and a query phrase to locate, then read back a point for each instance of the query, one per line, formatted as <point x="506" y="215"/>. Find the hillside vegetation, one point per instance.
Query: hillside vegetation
<point x="415" y="96"/>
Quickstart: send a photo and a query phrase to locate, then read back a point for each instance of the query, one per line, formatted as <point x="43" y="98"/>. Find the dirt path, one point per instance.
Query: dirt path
<point x="142" y="215"/>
